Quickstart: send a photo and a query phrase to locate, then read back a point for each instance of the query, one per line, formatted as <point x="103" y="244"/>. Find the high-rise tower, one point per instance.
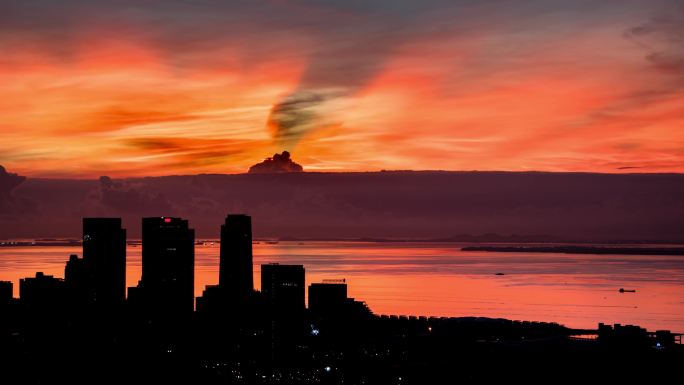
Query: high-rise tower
<point x="168" y="265"/>
<point x="235" y="272"/>
<point x="104" y="259"/>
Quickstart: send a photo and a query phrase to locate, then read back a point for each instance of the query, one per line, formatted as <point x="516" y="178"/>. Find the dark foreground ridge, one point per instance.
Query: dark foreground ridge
<point x="83" y="328"/>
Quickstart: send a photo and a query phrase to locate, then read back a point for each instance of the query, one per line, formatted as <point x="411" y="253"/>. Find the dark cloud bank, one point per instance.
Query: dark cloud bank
<point x="566" y="206"/>
<point x="8" y="182"/>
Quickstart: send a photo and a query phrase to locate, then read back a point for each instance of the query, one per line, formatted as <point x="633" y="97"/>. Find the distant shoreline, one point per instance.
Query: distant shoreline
<point x="493" y="244"/>
<point x="580" y="250"/>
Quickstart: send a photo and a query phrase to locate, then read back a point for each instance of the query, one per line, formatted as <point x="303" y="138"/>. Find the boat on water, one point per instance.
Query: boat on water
<point x="623" y="290"/>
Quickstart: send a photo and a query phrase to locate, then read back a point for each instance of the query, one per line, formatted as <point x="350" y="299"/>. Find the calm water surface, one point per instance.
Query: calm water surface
<point x="441" y="280"/>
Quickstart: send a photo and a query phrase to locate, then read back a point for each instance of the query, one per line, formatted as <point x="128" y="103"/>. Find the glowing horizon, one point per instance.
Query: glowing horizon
<point x="163" y="88"/>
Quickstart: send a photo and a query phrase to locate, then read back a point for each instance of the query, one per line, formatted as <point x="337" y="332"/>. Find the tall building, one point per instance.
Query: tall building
<point x="168" y="265"/>
<point x="235" y="271"/>
<point x="104" y="258"/>
<point x="283" y="287"/>
<point x="283" y="291"/>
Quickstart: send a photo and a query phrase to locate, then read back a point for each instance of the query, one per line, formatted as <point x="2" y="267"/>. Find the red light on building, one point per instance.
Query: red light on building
<point x="167" y="220"/>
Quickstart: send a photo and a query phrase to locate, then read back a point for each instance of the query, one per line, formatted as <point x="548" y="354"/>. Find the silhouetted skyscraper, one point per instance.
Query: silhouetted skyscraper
<point x="283" y="287"/>
<point x="235" y="271"/>
<point x="104" y="256"/>
<point x="168" y="265"/>
<point x="283" y="290"/>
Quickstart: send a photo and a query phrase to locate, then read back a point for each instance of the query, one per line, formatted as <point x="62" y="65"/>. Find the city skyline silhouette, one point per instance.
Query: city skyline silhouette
<point x="269" y="335"/>
<point x="340" y="192"/>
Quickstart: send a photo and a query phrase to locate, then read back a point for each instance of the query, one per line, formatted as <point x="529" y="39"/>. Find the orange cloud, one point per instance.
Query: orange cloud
<point x="134" y="96"/>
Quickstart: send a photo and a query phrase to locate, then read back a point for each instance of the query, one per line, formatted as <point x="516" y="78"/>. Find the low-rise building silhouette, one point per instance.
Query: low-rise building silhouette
<point x="41" y="291"/>
<point x="77" y="281"/>
<point x="327" y="297"/>
<point x="6" y="292"/>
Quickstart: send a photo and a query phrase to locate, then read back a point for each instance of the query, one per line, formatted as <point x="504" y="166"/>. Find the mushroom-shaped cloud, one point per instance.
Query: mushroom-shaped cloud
<point x="279" y="163"/>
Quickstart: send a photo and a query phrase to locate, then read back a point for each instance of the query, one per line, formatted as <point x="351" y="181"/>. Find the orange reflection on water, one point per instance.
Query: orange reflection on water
<point x="440" y="280"/>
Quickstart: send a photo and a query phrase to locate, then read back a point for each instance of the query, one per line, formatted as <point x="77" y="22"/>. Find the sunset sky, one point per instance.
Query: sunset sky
<point x="152" y="87"/>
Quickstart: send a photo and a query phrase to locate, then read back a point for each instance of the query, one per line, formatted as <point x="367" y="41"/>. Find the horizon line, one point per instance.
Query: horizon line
<point x="381" y="171"/>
